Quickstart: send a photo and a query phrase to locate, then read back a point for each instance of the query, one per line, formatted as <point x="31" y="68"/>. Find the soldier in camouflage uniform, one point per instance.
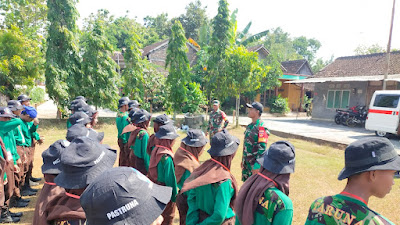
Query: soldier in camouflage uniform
<point x="218" y="120"/>
<point x="255" y="141"/>
<point x="370" y="165"/>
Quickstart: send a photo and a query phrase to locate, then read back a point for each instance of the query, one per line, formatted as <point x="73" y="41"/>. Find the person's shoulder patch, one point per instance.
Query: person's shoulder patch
<point x="262" y="135"/>
<point x="223" y="115"/>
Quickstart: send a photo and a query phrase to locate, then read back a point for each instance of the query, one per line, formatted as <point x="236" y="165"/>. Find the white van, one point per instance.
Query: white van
<point x="383" y="113"/>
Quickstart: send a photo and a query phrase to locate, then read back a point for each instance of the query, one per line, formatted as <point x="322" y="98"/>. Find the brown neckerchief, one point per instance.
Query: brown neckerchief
<point x="152" y="138"/>
<point x="253" y="189"/>
<point x="49" y="192"/>
<point x="163" y="147"/>
<point x="134" y="134"/>
<point x="65" y="207"/>
<point x="3" y="149"/>
<point x="128" y="128"/>
<point x="211" y="172"/>
<point x="186" y="158"/>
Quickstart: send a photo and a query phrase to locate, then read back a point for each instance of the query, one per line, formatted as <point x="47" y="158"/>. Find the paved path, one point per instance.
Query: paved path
<point x="317" y="131"/>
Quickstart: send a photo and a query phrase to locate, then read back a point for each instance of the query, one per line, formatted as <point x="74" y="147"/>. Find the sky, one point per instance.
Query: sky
<point x="340" y="25"/>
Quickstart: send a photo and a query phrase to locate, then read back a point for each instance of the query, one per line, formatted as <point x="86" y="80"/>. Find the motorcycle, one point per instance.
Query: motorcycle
<point x="342" y="115"/>
<point x="358" y="117"/>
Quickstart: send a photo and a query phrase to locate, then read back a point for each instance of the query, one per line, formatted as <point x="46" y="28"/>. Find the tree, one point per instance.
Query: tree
<point x="155" y="89"/>
<point x="19" y="64"/>
<point x="320" y="64"/>
<point x="161" y="24"/>
<point x="280" y="43"/>
<point x="244" y="73"/>
<point x="366" y="50"/>
<point x="306" y="47"/>
<point x="100" y="80"/>
<point x="179" y="67"/>
<point x="221" y="40"/>
<point x="62" y="58"/>
<point x="132" y="75"/>
<point x="193" y="19"/>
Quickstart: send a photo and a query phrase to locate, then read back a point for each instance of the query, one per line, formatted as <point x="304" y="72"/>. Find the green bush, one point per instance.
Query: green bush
<point x="37" y="94"/>
<point x="278" y="105"/>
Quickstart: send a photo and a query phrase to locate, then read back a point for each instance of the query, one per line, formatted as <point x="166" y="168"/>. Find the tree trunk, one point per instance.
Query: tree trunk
<point x="58" y="113"/>
<point x="237" y="109"/>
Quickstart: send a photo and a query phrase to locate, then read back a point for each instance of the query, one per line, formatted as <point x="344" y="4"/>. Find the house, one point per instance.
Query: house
<point x="351" y="81"/>
<point x="292" y="70"/>
<point x="157" y="54"/>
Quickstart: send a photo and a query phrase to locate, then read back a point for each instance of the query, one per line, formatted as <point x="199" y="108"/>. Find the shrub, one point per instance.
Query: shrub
<point x="37" y="94"/>
<point x="278" y="105"/>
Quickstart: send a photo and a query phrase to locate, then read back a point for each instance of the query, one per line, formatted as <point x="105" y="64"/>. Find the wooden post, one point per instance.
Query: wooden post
<point x="233" y="116"/>
<point x="388" y="48"/>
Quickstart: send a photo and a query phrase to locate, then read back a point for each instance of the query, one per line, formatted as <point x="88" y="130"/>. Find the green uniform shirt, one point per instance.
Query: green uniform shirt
<point x="255" y="144"/>
<point x="7" y="134"/>
<point x="139" y="149"/>
<point x="217" y="121"/>
<point x="343" y="210"/>
<point x="185" y="176"/>
<point x="122" y="122"/>
<point x="166" y="174"/>
<point x="24" y="134"/>
<point x="274" y="208"/>
<point x="213" y="199"/>
<point x="69" y="123"/>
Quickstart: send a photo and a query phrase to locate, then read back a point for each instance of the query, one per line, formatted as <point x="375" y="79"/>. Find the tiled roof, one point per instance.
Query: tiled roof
<point x="362" y="65"/>
<point x="150" y="48"/>
<point x="293" y="66"/>
<point x="257" y="48"/>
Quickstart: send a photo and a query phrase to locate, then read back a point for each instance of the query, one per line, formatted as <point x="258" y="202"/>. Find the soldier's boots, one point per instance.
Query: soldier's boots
<point x="7" y="218"/>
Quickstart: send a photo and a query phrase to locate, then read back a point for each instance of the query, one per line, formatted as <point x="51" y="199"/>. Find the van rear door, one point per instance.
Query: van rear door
<point x="383" y="114"/>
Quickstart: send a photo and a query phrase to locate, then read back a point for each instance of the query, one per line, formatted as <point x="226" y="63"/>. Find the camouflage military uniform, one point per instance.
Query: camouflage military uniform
<point x="215" y="122"/>
<point x="343" y="210"/>
<point x="255" y="143"/>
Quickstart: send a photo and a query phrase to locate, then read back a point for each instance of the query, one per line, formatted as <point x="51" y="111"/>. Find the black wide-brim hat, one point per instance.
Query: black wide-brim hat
<point x="139" y="116"/>
<point x="223" y="144"/>
<point x="167" y="132"/>
<point x="162" y="119"/>
<point x="51" y="157"/>
<point x="6" y="112"/>
<point x="279" y="158"/>
<point x="14" y="105"/>
<point x="195" y="138"/>
<point x="120" y="187"/>
<point x="80" y="130"/>
<point x="82" y="161"/>
<point x="369" y="154"/>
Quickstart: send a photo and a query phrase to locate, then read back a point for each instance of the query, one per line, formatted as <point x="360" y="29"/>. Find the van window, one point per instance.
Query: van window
<point x="386" y="101"/>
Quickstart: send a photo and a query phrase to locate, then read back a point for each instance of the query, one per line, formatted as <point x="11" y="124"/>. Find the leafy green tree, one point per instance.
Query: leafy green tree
<point x="62" y="57"/>
<point x="28" y="15"/>
<point x="155" y="89"/>
<point x="320" y="63"/>
<point x="19" y="64"/>
<point x="204" y="34"/>
<point x="281" y="44"/>
<point x="179" y="67"/>
<point x="195" y="99"/>
<point x="366" y="50"/>
<point x="244" y="73"/>
<point x="193" y="19"/>
<point x="132" y="75"/>
<point x="161" y="24"/>
<point x="221" y="40"/>
<point x="306" y="47"/>
<point x="245" y="38"/>
<point x="100" y="80"/>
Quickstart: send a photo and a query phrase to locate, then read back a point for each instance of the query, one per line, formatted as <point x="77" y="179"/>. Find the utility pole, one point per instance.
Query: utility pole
<point x="388" y="49"/>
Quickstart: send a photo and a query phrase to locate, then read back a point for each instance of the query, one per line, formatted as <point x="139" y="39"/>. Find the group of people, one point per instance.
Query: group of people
<point x="154" y="179"/>
<point x="18" y="138"/>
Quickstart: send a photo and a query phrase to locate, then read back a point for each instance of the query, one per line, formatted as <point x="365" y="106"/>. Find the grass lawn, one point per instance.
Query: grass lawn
<point x="316" y="172"/>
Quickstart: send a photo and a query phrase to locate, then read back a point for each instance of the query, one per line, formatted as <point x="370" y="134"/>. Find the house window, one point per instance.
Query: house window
<point x="338" y="99"/>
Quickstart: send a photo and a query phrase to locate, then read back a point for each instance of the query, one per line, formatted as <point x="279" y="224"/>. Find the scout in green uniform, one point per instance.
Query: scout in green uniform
<point x="263" y="198"/>
<point x="22" y="145"/>
<point x="25" y="100"/>
<point x="218" y="120"/>
<point x="255" y="141"/>
<point x="159" y="121"/>
<point x="122" y="121"/>
<point x="8" y="122"/>
<point x="370" y="166"/>
<point x="29" y="130"/>
<point x="186" y="160"/>
<point x="138" y="140"/>
<point x="162" y="170"/>
<point x="211" y="188"/>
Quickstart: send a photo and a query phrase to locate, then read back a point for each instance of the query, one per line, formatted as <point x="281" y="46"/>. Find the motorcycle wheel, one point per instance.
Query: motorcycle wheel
<point x="343" y="120"/>
<point x="337" y="120"/>
<point x="350" y="122"/>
